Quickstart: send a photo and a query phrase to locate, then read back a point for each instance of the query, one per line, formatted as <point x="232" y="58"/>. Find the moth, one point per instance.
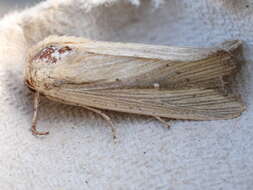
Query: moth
<point x="159" y="81"/>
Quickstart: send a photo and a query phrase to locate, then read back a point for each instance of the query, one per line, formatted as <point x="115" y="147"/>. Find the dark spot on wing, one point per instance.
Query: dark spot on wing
<point x="64" y="49"/>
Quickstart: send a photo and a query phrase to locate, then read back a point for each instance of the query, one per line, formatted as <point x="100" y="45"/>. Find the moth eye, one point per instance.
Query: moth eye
<point x="52" y="54"/>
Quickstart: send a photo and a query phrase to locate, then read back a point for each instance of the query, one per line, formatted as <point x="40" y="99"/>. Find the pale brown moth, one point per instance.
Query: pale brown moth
<point x="158" y="81"/>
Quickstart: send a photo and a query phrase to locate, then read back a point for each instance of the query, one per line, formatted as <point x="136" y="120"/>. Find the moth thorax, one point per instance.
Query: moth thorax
<point x="52" y="54"/>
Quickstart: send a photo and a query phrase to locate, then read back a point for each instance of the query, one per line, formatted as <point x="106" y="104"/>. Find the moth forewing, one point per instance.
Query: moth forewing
<point x="160" y="81"/>
<point x="194" y="104"/>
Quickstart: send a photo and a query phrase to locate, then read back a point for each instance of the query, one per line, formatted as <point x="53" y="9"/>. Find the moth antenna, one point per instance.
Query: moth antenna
<point x="165" y="124"/>
<point x="35" y="115"/>
<point x="105" y="117"/>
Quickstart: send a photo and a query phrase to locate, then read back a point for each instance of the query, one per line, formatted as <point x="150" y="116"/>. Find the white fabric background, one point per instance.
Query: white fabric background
<point x="79" y="152"/>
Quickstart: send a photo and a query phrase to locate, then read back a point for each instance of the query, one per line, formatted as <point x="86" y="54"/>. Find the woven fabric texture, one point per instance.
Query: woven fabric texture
<point x="79" y="153"/>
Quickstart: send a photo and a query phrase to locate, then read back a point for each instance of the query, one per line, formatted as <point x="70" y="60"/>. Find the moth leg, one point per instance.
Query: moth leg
<point x="166" y="125"/>
<point x="105" y="117"/>
<point x="35" y="115"/>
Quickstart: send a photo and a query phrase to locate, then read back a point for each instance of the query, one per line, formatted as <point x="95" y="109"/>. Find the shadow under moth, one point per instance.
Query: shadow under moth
<point x="158" y="81"/>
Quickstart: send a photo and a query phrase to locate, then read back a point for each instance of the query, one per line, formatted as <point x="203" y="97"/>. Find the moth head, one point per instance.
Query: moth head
<point x="41" y="61"/>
